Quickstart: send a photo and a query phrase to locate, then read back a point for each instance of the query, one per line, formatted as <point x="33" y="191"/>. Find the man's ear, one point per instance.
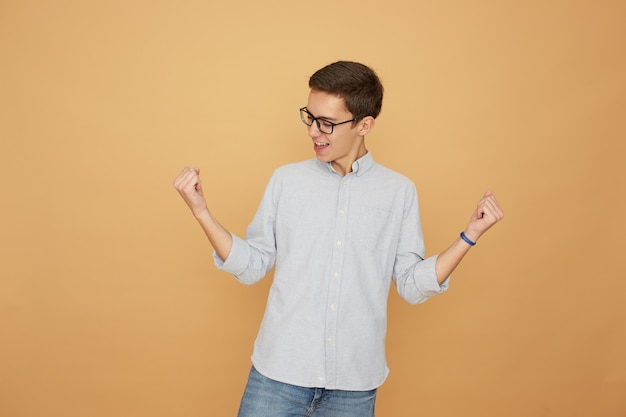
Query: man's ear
<point x="366" y="125"/>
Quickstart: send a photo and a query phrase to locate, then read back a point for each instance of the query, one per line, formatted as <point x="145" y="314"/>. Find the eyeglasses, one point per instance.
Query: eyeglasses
<point x="323" y="125"/>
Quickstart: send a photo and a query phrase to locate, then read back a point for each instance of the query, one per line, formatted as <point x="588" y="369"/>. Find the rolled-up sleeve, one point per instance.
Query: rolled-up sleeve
<point x="251" y="259"/>
<point x="415" y="276"/>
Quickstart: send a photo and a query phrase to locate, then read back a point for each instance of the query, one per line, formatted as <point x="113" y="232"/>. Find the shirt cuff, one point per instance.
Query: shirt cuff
<point x="430" y="286"/>
<point x="238" y="258"/>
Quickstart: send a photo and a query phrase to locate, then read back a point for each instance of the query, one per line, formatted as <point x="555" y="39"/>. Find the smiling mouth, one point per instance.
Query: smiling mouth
<point x="320" y="147"/>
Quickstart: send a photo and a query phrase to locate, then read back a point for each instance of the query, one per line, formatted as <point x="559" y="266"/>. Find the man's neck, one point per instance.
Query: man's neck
<point x="344" y="167"/>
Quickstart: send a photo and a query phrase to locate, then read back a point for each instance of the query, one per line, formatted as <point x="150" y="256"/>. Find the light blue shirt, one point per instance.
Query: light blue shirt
<point x="337" y="243"/>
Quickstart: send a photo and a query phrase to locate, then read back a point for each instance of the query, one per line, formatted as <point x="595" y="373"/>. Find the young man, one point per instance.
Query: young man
<point x="339" y="228"/>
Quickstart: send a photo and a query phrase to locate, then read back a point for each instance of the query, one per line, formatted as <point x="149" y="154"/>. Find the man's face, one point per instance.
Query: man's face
<point x="344" y="145"/>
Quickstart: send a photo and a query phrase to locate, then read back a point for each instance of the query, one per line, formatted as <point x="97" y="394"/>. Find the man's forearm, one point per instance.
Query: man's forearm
<point x="449" y="259"/>
<point x="220" y="238"/>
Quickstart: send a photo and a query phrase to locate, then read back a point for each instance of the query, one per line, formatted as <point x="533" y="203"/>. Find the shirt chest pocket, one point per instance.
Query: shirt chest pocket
<point x="374" y="228"/>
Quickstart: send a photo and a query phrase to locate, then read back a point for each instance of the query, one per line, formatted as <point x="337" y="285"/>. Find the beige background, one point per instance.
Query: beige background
<point x="109" y="302"/>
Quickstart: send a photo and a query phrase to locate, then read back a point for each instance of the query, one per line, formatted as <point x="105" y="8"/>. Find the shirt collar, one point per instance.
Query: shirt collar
<point x="359" y="167"/>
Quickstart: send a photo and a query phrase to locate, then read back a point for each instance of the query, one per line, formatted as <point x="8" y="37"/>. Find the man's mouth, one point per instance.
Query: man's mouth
<point x="319" y="147"/>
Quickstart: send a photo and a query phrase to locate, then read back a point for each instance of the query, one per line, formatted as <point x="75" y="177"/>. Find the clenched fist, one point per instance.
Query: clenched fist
<point x="488" y="212"/>
<point x="189" y="186"/>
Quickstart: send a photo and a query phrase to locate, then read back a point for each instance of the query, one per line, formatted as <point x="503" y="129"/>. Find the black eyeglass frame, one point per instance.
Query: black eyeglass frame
<point x="304" y="111"/>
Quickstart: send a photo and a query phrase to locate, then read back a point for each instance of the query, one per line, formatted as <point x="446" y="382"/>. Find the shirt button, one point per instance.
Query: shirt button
<point x="339" y="243"/>
<point x="332" y="306"/>
<point x="335" y="274"/>
<point x="342" y="212"/>
<point x="344" y="183"/>
<point x="330" y="340"/>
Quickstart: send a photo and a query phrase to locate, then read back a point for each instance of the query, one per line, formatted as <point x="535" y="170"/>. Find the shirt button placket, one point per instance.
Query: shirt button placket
<point x="335" y="284"/>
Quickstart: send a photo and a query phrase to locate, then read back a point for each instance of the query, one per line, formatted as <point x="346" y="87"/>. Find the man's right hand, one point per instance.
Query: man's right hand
<point x="189" y="186"/>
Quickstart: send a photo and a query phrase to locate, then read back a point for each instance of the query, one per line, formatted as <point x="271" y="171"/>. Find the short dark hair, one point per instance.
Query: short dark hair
<point x="357" y="84"/>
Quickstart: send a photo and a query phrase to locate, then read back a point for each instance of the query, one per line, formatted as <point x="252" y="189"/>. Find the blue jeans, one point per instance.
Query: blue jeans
<point x="265" y="397"/>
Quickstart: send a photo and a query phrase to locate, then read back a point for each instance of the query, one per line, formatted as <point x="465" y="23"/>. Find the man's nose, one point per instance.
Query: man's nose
<point x="314" y="129"/>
